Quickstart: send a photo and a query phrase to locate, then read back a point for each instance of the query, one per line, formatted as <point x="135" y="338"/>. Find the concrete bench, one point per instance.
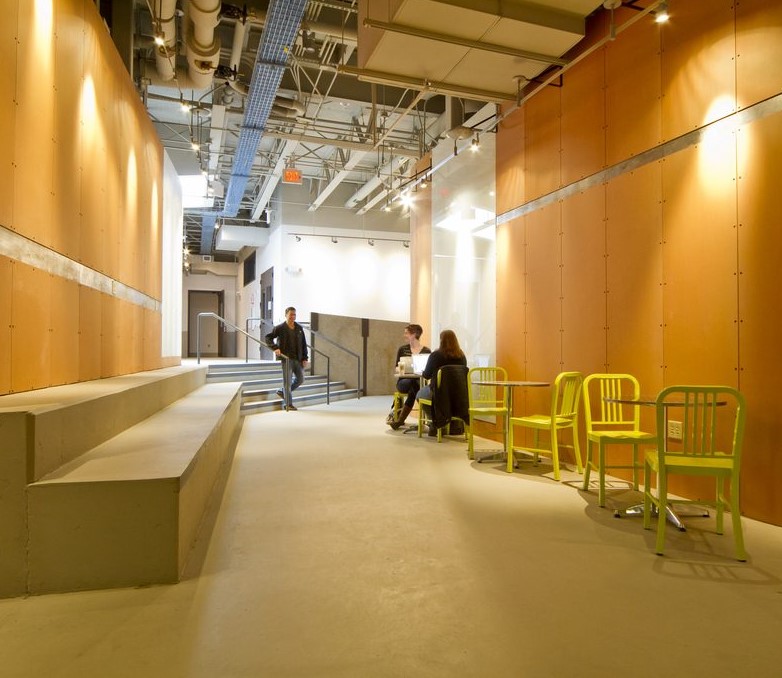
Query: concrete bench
<point x="125" y="511"/>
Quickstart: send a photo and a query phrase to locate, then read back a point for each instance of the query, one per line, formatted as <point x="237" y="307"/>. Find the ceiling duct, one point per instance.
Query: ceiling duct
<point x="283" y="20"/>
<point x="164" y="21"/>
<point x="201" y="46"/>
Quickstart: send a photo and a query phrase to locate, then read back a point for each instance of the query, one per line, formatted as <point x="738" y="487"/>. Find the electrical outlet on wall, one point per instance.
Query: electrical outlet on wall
<point x="674" y="429"/>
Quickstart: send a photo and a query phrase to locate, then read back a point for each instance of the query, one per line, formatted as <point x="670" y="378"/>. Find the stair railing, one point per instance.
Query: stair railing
<point x="209" y="314"/>
<point x="315" y="333"/>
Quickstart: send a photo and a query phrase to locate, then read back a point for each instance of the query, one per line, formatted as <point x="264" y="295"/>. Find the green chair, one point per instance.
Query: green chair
<point x="489" y="401"/>
<point x="609" y="422"/>
<point x="712" y="427"/>
<point x="565" y="396"/>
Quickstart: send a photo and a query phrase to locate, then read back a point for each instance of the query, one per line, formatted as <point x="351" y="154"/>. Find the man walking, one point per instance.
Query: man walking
<point x="287" y="340"/>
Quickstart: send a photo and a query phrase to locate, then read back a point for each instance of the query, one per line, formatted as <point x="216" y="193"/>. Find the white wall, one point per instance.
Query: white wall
<point x="171" y="290"/>
<point x="349" y="277"/>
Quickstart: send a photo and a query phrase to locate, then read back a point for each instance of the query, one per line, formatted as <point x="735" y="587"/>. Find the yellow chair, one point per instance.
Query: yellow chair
<point x="712" y="427"/>
<point x="488" y="401"/>
<point x="450" y="388"/>
<point x="612" y="423"/>
<point x="565" y="396"/>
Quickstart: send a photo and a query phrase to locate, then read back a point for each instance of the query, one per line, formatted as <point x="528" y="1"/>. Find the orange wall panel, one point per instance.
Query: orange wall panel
<point x="583" y="120"/>
<point x="152" y="339"/>
<point x="634" y="276"/>
<point x="68" y="69"/>
<point x="511" y="295"/>
<point x="6" y="283"/>
<point x="8" y="28"/>
<point x="90" y="331"/>
<point x="30" y="336"/>
<point x="758" y="46"/>
<point x="760" y="308"/>
<point x="543" y="307"/>
<point x="64" y="331"/>
<point x="509" y="164"/>
<point x="33" y="150"/>
<point x="699" y="301"/>
<point x="584" y="282"/>
<point x="110" y="342"/>
<point x="698" y="66"/>
<point x="542" y="144"/>
<point x="633" y="94"/>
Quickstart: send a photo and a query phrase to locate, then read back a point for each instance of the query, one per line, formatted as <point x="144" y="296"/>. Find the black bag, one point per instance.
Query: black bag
<point x="456" y="427"/>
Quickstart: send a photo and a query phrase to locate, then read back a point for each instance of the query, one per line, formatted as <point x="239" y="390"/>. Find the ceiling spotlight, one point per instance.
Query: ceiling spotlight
<point x="405" y="244"/>
<point x="371" y="242"/>
<point x="387" y="207"/>
<point x="159" y="39"/>
<point x="661" y="13"/>
<point x="334" y="240"/>
<point x="423" y="182"/>
<point x="298" y="238"/>
<point x="194" y="145"/>
<point x="185" y="105"/>
<point x="476" y="143"/>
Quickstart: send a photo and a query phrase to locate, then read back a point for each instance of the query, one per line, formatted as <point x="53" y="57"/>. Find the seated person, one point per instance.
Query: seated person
<point x="408" y="385"/>
<point x="449" y="353"/>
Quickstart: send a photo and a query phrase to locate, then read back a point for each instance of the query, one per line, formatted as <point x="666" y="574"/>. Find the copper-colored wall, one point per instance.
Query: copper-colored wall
<point x="80" y="175"/>
<point x="668" y="270"/>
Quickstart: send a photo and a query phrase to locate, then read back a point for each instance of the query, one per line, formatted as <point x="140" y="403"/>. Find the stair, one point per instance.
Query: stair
<point x="261" y="380"/>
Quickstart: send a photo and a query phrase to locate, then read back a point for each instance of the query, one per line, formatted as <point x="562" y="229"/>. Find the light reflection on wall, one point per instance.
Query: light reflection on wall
<point x="718" y="150"/>
<point x="44" y="20"/>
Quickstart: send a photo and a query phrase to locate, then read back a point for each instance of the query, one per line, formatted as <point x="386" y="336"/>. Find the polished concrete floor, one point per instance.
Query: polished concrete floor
<point x="343" y="549"/>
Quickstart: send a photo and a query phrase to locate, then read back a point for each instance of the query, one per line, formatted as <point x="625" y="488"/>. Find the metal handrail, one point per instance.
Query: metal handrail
<point x="210" y="314"/>
<point x="314" y="333"/>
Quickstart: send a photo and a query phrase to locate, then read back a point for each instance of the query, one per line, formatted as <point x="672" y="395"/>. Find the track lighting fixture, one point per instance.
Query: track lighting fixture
<point x="334" y="240"/>
<point x="298" y="238"/>
<point x="371" y="242"/>
<point x="476" y="143"/>
<point x="185" y="105"/>
<point x="661" y="13"/>
<point x="405" y="244"/>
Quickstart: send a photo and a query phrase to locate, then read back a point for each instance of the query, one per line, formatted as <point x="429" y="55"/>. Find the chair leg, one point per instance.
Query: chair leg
<point x="509" y="467"/>
<point x="647" y="495"/>
<point x="587" y="466"/>
<point x="554" y="452"/>
<point x="635" y="467"/>
<point x="470" y="444"/>
<point x="720" y="505"/>
<point x="601" y="474"/>
<point x="662" y="503"/>
<point x="735" y="514"/>
<point x="577" y="448"/>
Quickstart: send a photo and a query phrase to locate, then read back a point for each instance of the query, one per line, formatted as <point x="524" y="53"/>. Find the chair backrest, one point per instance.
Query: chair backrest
<point x="602" y="414"/>
<point x="487" y="396"/>
<point x="566" y="394"/>
<point x="712" y="422"/>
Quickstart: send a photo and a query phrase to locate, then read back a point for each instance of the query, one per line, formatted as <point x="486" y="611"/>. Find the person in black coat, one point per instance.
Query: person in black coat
<point x="287" y="339"/>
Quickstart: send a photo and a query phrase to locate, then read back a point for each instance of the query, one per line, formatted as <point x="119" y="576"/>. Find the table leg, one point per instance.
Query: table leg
<point x="671" y="515"/>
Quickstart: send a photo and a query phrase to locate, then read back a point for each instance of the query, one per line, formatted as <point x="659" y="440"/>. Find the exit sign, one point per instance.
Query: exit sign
<point x="291" y="176"/>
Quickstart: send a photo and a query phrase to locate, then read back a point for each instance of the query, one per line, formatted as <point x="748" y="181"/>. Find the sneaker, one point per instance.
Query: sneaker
<point x="279" y="393"/>
<point x="292" y="408"/>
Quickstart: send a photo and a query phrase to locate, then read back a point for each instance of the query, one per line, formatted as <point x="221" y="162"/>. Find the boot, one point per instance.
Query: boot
<point x="402" y="416"/>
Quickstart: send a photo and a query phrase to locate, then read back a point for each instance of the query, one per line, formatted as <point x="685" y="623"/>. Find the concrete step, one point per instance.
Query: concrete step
<point x="317" y="398"/>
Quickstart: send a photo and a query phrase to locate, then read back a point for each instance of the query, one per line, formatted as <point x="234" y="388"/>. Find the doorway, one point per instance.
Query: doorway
<point x="204" y="301"/>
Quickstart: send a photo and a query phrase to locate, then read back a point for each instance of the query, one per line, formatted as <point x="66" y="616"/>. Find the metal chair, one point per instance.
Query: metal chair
<point x="565" y="396"/>
<point x="449" y="401"/>
<point x="712" y="428"/>
<point x="609" y="422"/>
<point x="490" y="401"/>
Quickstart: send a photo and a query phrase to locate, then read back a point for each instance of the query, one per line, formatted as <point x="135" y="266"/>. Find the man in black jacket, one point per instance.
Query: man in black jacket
<point x="287" y="339"/>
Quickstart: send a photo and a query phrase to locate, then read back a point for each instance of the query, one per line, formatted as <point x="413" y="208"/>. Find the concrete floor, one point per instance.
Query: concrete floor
<point x="344" y="549"/>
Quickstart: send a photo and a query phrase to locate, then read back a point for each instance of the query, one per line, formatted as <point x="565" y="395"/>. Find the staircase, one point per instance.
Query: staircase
<point x="260" y="382"/>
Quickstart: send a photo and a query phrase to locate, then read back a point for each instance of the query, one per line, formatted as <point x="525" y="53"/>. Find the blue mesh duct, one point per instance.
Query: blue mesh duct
<point x="207" y="232"/>
<point x="282" y="25"/>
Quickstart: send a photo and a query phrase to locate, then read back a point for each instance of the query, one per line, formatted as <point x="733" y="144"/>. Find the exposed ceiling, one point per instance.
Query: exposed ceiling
<point x="361" y="91"/>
